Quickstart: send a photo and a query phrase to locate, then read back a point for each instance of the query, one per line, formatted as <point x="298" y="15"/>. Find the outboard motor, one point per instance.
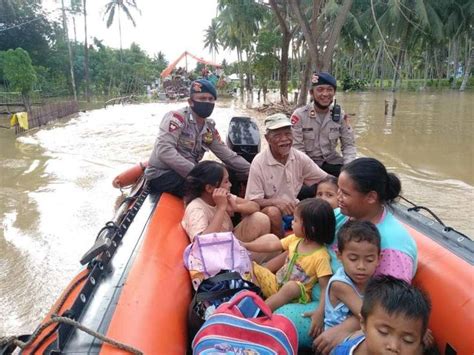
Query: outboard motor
<point x="243" y="138"/>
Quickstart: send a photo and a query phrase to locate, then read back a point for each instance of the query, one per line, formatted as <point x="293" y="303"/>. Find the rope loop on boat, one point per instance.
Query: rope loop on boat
<point x="14" y="340"/>
<point x="417" y="208"/>
<point x="103" y="338"/>
<point x="7" y="341"/>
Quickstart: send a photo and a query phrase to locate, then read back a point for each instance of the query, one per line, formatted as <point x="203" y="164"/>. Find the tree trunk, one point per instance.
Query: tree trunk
<point x="382" y="70"/>
<point x="26" y="101"/>
<point x="455" y="61"/>
<point x="436" y="63"/>
<point x="427" y="67"/>
<point x="401" y="56"/>
<point x="448" y="67"/>
<point x="71" y="65"/>
<point x="305" y="79"/>
<point x="74" y="27"/>
<point x="86" y="54"/>
<point x="248" y="81"/>
<point x="334" y="36"/>
<point x="120" y="33"/>
<point x="241" y="76"/>
<point x="310" y="32"/>
<point x="467" y="66"/>
<point x="285" y="44"/>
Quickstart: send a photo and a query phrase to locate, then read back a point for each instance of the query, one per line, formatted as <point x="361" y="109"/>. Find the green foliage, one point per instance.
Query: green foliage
<point x="18" y="70"/>
<point x="353" y="84"/>
<point x="24" y="25"/>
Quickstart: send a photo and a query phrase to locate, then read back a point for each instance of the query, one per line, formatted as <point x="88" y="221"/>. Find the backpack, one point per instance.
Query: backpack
<point x="235" y="328"/>
<point x="208" y="254"/>
<point x="211" y="293"/>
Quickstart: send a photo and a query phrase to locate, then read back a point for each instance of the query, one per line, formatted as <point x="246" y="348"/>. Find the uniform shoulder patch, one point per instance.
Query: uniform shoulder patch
<point x="294" y="119"/>
<point x="179" y="117"/>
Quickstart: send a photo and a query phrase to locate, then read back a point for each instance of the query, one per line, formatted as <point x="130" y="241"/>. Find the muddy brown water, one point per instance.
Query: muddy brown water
<point x="56" y="188"/>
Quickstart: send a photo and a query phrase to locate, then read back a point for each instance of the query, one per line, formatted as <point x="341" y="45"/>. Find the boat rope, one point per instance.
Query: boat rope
<point x="417" y="208"/>
<point x="92" y="273"/>
<point x="15" y="340"/>
<point x="55" y="319"/>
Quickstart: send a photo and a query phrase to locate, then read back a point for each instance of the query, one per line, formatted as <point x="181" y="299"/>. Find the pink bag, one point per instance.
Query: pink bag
<point x="208" y="254"/>
<point x="235" y="328"/>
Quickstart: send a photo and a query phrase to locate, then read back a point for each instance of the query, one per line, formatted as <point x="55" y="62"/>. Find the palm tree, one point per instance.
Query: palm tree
<point x="238" y="23"/>
<point x="406" y="23"/>
<point x="120" y="5"/>
<point x="211" y="39"/>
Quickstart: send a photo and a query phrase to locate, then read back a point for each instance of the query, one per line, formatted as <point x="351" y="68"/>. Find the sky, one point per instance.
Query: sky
<point x="170" y="26"/>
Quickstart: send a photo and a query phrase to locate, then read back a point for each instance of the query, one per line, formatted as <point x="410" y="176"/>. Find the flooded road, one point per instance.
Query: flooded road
<point x="56" y="189"/>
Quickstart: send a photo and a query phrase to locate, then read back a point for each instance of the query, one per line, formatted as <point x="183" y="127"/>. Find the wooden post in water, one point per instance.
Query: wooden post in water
<point x="392" y="104"/>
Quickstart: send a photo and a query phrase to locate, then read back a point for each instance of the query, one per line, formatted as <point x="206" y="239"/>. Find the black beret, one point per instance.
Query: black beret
<point x="203" y="85"/>
<point x="323" y="78"/>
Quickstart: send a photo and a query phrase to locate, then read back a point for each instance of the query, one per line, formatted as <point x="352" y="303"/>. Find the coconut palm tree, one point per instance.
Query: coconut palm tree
<point x="238" y="23"/>
<point x="118" y="6"/>
<point x="211" y="39"/>
<point x="406" y="23"/>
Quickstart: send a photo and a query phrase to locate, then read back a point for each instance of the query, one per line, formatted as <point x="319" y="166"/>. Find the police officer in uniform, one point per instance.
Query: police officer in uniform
<point x="183" y="138"/>
<point x="318" y="126"/>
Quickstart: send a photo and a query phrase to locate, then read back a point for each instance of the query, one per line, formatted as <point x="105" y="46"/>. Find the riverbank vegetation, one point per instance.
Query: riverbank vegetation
<point x="366" y="44"/>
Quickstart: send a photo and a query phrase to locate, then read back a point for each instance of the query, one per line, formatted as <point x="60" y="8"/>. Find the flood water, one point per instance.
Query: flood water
<point x="56" y="190"/>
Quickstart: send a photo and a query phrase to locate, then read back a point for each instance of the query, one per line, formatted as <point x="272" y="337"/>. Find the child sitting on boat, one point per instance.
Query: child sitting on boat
<point x="394" y="318"/>
<point x="210" y="205"/>
<point x="308" y="260"/>
<point x="327" y="190"/>
<point x="358" y="245"/>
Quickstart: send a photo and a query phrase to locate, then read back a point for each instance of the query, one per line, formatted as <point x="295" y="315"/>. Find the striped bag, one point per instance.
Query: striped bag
<point x="236" y="328"/>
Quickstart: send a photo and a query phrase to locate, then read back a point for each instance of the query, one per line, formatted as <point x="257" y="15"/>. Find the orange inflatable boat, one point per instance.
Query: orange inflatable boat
<point x="133" y="293"/>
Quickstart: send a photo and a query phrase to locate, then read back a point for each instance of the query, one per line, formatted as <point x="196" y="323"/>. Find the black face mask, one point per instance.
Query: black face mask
<point x="202" y="109"/>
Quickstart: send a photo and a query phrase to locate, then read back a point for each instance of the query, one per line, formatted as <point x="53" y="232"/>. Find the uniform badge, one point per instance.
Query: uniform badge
<point x="197" y="87"/>
<point x="172" y="127"/>
<point x="314" y="79"/>
<point x="294" y="119"/>
<point x="312" y="113"/>
<point x="208" y="137"/>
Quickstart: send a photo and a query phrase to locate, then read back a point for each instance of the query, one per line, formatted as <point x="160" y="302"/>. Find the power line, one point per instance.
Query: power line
<point x="36" y="18"/>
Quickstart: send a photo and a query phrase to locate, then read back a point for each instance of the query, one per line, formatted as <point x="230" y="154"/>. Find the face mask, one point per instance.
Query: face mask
<point x="202" y="109"/>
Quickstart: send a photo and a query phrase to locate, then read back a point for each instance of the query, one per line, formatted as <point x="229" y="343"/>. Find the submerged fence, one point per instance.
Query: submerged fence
<point x="39" y="116"/>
